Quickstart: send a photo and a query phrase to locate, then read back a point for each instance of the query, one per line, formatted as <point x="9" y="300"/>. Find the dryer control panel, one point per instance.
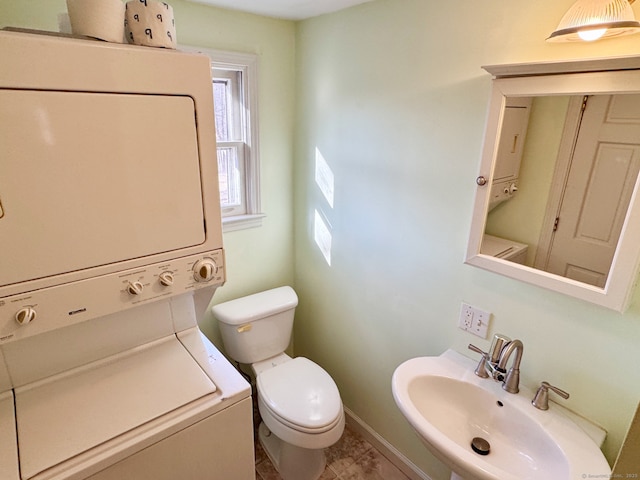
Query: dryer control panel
<point x="42" y="310"/>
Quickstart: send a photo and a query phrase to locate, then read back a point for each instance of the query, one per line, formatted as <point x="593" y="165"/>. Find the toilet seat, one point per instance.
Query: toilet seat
<point x="301" y="395"/>
<point x="300" y="428"/>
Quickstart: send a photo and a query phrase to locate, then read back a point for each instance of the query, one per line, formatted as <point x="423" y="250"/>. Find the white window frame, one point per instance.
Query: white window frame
<point x="247" y="64"/>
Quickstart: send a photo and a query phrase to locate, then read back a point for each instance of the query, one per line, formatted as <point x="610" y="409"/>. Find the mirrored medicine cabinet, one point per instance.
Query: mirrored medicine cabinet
<point x="556" y="201"/>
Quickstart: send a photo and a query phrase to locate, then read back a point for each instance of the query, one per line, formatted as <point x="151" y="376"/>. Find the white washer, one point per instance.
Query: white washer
<point x="169" y="406"/>
<point x="505" y="249"/>
<point x="148" y="403"/>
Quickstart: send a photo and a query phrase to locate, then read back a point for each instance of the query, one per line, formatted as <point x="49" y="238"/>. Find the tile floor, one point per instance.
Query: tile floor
<point x="352" y="458"/>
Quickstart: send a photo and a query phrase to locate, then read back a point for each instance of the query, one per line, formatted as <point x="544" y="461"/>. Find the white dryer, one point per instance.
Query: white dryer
<point x="111" y="249"/>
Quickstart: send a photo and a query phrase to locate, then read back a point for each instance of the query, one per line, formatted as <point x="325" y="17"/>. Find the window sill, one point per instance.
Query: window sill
<point x="242" y="222"/>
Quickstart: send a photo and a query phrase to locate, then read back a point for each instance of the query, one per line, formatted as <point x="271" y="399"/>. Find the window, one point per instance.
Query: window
<point x="234" y="77"/>
<point x="230" y="138"/>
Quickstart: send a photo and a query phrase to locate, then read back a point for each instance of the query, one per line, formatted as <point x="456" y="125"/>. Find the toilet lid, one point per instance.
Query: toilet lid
<point x="301" y="392"/>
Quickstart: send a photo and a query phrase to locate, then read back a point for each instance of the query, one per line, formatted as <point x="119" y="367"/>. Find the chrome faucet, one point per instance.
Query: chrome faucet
<point x="512" y="380"/>
<point x="494" y="362"/>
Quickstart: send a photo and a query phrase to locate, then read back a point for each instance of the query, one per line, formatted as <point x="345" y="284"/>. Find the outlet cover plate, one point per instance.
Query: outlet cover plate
<point x="474" y="320"/>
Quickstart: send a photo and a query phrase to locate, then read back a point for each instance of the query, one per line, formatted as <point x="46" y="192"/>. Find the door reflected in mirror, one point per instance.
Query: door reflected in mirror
<point x="566" y="167"/>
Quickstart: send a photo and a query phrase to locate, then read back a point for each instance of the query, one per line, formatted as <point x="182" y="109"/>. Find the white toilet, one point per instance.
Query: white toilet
<point x="299" y="402"/>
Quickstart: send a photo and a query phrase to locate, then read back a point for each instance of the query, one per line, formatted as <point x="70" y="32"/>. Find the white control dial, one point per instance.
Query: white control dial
<point x="26" y="315"/>
<point x="135" y="288"/>
<point x="204" y="270"/>
<point x="166" y="279"/>
<point x="511" y="189"/>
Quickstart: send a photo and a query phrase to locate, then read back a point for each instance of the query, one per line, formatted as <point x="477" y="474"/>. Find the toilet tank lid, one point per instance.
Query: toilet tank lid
<point x="254" y="307"/>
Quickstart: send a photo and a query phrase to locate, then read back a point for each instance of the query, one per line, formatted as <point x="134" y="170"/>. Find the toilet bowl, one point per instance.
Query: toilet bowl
<point x="301" y="415"/>
<point x="299" y="402"/>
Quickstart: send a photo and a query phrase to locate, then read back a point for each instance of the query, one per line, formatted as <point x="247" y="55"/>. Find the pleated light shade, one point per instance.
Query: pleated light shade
<point x="589" y="20"/>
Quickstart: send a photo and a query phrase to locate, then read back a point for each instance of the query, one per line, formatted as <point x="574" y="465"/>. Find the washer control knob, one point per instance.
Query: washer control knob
<point x="204" y="270"/>
<point x="166" y="279"/>
<point x="135" y="288"/>
<point x="26" y="315"/>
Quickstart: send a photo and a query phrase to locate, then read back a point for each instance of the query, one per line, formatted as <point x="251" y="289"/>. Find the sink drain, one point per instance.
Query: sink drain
<point x="480" y="446"/>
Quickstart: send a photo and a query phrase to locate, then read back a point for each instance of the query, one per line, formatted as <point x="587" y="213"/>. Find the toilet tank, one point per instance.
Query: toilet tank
<point x="258" y="326"/>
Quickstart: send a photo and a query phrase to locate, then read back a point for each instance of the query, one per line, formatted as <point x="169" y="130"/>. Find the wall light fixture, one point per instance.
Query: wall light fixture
<point x="589" y="20"/>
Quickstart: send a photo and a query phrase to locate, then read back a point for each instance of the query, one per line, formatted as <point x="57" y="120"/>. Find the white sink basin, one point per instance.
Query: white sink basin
<point x="448" y="406"/>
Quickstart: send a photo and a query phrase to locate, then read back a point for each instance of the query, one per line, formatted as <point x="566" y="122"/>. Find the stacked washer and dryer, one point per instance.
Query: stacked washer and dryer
<point x="110" y="249"/>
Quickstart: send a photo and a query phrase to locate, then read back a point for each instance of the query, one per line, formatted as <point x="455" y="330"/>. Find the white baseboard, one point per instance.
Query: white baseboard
<point x="385" y="448"/>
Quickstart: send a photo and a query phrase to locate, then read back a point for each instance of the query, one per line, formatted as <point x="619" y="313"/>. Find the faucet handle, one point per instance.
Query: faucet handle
<point x="541" y="400"/>
<point x="480" y="370"/>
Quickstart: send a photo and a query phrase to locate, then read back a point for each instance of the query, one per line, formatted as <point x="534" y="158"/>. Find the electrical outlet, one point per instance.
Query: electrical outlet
<point x="474" y="320"/>
<point x="466" y="317"/>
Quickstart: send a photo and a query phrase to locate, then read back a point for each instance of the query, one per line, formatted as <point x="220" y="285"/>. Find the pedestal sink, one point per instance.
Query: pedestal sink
<point x="484" y="433"/>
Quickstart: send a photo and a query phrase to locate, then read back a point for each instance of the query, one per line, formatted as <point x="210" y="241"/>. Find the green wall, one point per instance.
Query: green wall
<point x="392" y="96"/>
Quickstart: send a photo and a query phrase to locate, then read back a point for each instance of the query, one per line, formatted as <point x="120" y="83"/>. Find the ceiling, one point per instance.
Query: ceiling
<point x="287" y="9"/>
